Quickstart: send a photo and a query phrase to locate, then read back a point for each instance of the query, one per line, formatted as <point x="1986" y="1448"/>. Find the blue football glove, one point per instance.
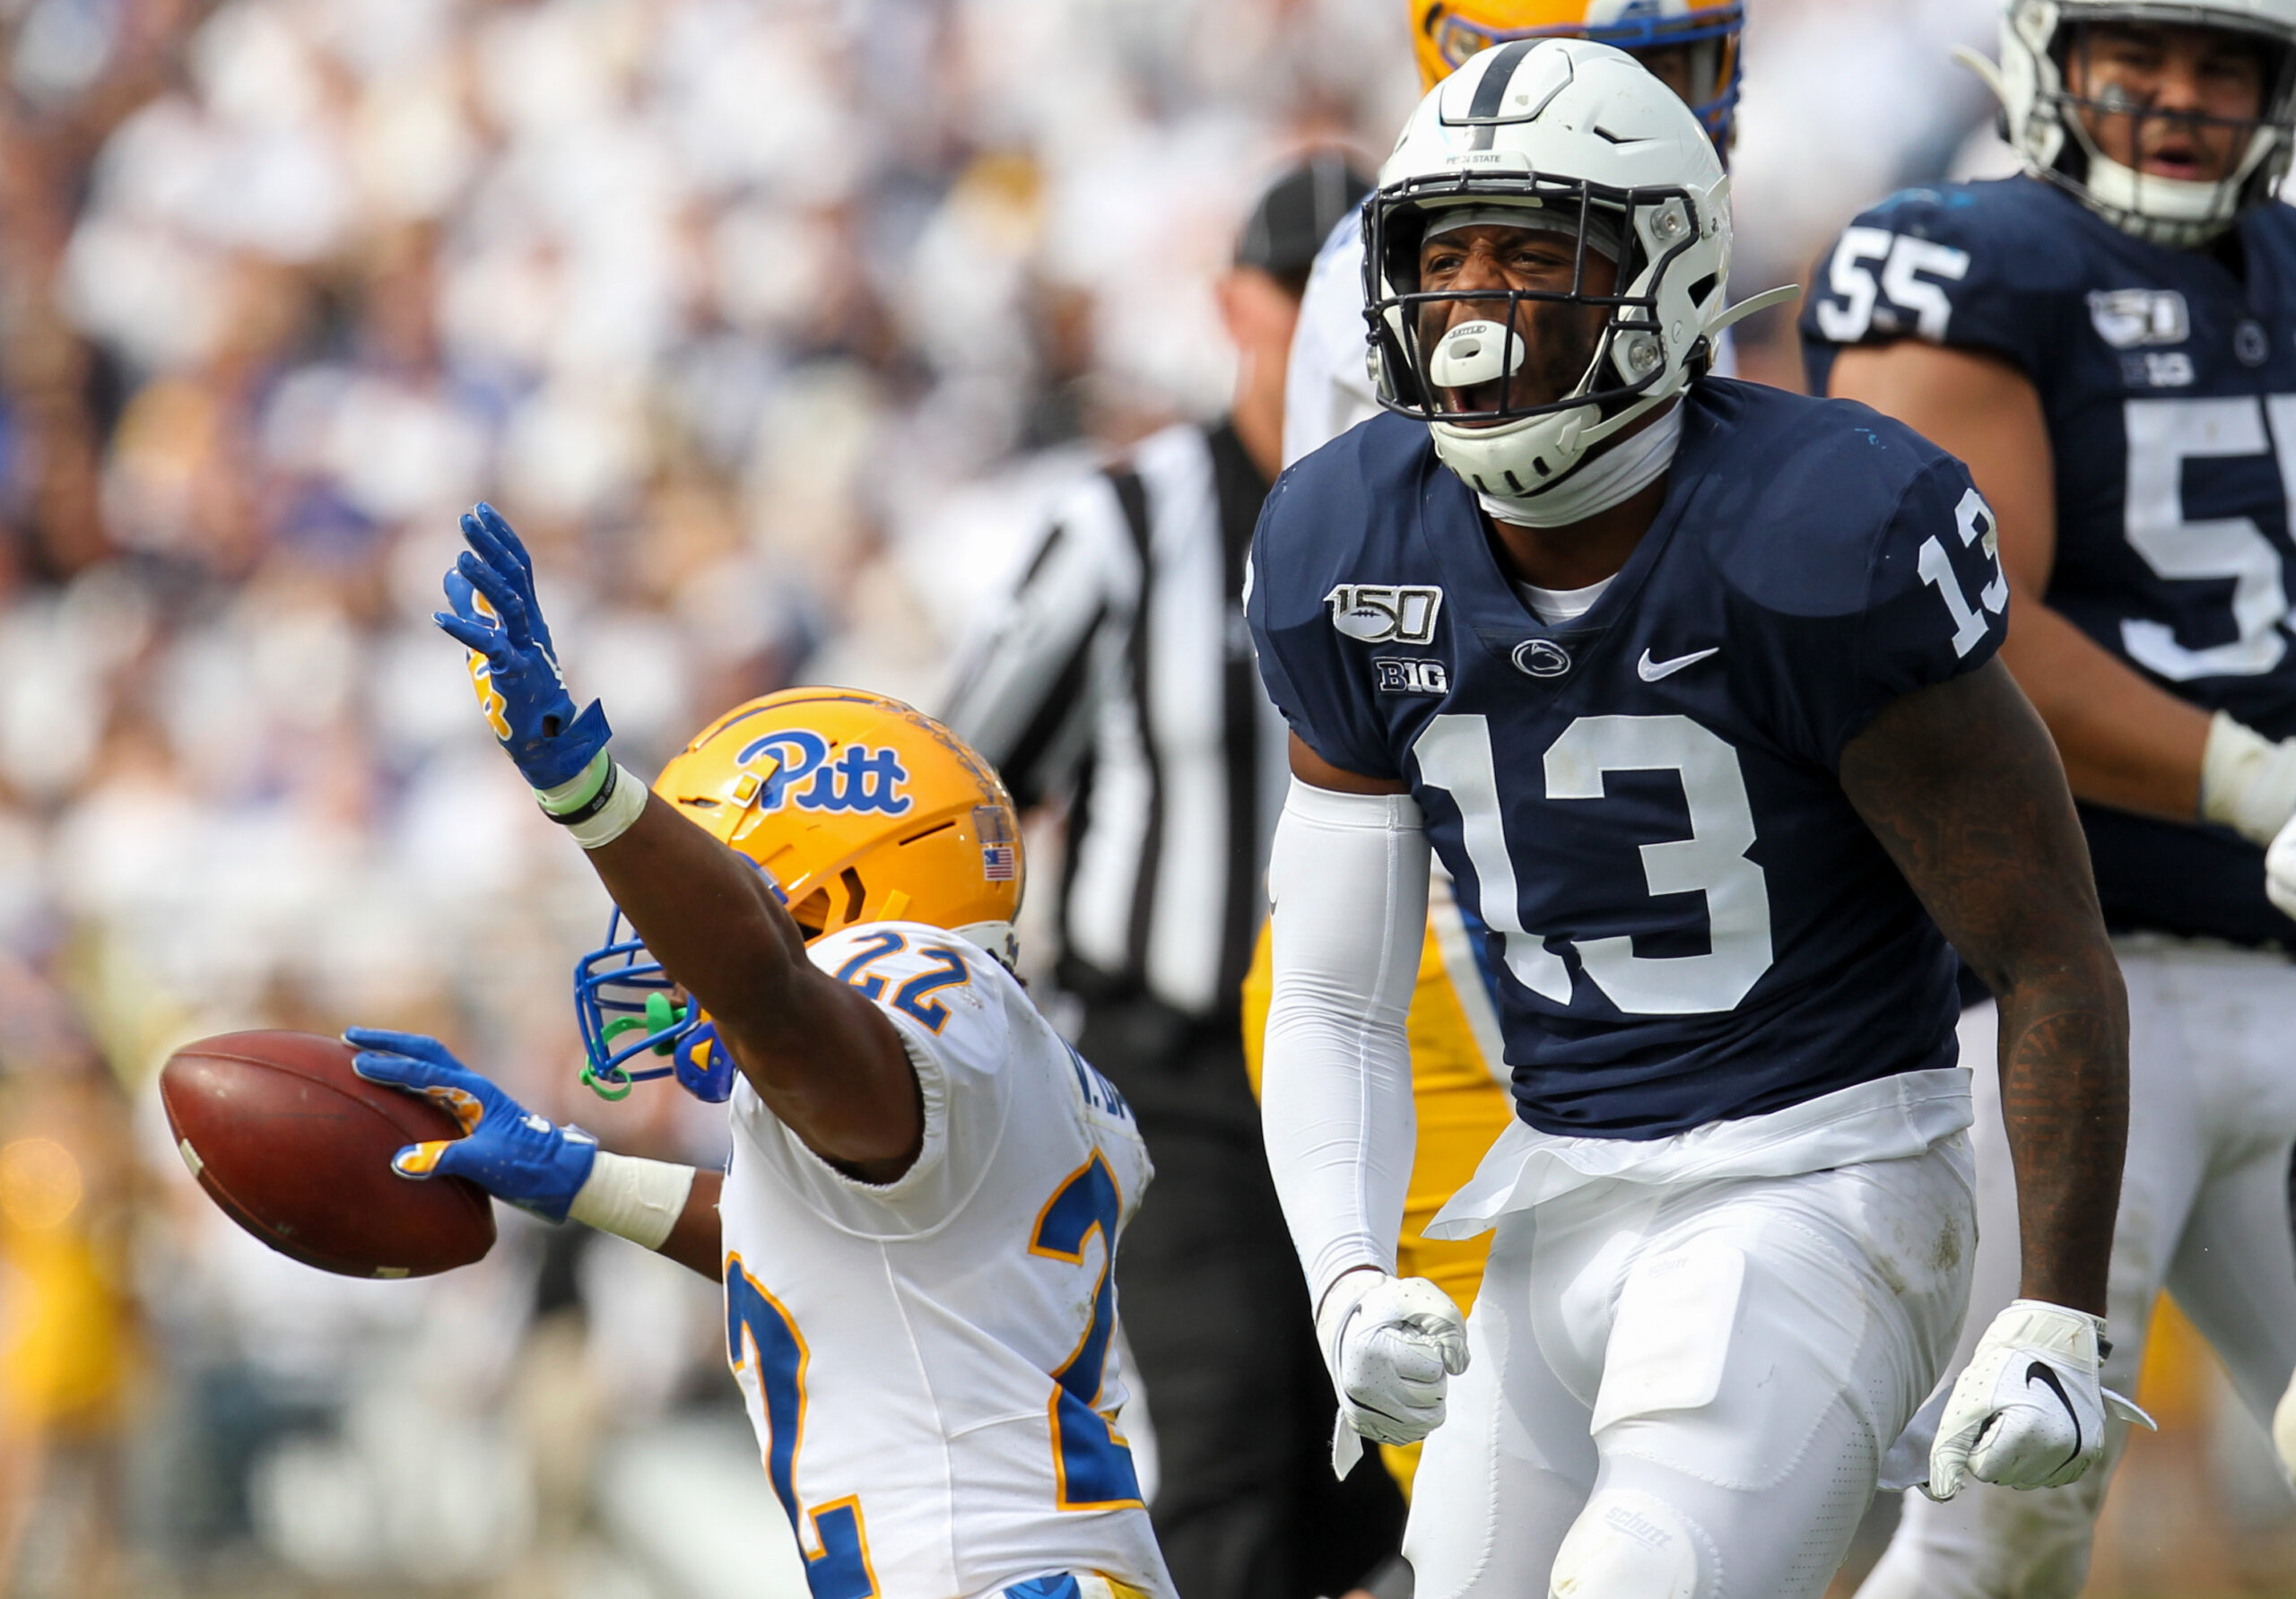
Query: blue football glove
<point x="511" y="1152"/>
<point x="496" y="617"/>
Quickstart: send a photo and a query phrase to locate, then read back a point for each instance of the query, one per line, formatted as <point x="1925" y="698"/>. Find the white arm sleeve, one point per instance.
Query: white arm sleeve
<point x="1349" y="882"/>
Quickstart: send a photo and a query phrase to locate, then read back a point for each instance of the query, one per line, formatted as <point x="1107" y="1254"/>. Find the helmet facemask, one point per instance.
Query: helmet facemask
<point x="629" y="1009"/>
<point x="1596" y="356"/>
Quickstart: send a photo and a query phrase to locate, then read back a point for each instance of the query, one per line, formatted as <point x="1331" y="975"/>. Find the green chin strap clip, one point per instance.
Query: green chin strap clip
<point x="661" y="1015"/>
<point x="602" y="1088"/>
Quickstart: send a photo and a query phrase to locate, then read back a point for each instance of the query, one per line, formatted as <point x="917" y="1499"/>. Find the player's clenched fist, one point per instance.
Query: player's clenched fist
<point x="1392" y="1344"/>
<point x="2280" y="870"/>
<point x="2030" y="1410"/>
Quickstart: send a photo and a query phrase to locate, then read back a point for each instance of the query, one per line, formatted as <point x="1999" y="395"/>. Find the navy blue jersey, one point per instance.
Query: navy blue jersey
<point x="1687" y="920"/>
<point x="2169" y="383"/>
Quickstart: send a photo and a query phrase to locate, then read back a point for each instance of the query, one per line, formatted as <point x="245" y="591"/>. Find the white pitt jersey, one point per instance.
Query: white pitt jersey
<point x="1326" y="381"/>
<point x="931" y="1364"/>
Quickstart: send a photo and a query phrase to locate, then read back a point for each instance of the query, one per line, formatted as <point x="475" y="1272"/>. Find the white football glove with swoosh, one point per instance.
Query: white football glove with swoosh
<point x="2280" y="870"/>
<point x="2030" y="1410"/>
<point x="1392" y="1345"/>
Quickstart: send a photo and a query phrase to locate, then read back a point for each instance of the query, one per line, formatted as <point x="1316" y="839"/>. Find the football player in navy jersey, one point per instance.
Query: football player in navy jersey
<point x="1690" y="684"/>
<point x="2109" y="342"/>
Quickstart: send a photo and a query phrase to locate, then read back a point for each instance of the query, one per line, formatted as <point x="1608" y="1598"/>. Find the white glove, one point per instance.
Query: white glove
<point x="2030" y="1412"/>
<point x="1391" y="1344"/>
<point x="2280" y="869"/>
<point x="2247" y="782"/>
<point x="2283" y="1432"/>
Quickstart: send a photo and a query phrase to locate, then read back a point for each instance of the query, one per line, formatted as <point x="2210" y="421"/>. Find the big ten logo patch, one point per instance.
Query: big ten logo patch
<point x="1403" y="676"/>
<point x="861" y="777"/>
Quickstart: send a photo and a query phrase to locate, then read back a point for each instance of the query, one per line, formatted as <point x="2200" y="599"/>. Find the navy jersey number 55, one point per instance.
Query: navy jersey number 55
<point x="1683" y="917"/>
<point x="2169" y="386"/>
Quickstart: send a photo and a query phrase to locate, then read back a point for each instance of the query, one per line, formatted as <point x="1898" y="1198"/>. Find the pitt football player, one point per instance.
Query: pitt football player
<point x="916" y="1230"/>
<point x="1459" y="1069"/>
<point x="2110" y="341"/>
<point x="1689" y="683"/>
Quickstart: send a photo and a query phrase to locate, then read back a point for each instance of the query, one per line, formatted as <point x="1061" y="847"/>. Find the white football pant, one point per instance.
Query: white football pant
<point x="2203" y="1214"/>
<point x="1685" y="1392"/>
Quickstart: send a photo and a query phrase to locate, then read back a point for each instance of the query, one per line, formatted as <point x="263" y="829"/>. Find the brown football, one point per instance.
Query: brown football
<point x="297" y="1147"/>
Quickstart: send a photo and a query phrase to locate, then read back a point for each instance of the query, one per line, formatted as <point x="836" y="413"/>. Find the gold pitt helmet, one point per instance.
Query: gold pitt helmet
<point x="1446" y="32"/>
<point x="860" y="809"/>
<point x="857" y="809"/>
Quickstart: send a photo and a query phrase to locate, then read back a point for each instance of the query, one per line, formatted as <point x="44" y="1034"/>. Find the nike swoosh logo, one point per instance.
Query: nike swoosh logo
<point x="1650" y="671"/>
<point x="2038" y="1372"/>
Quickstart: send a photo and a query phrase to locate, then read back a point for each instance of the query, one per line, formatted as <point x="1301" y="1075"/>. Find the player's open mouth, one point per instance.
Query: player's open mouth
<point x="2174" y="158"/>
<point x="1475" y="397"/>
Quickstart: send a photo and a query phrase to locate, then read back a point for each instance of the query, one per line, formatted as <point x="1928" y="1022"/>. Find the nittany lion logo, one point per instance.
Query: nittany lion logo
<point x="863" y="778"/>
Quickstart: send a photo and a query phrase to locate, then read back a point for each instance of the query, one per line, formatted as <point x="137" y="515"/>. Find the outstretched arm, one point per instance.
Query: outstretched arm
<point x="693" y="1241"/>
<point x="825" y="1060"/>
<point x="557" y="1173"/>
<point x="1961" y="784"/>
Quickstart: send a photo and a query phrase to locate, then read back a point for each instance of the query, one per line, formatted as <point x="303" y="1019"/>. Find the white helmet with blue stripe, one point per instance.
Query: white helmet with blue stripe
<point x="1565" y="137"/>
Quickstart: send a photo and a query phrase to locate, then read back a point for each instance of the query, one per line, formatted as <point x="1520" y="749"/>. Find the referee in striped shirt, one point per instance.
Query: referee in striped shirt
<point x="1120" y="680"/>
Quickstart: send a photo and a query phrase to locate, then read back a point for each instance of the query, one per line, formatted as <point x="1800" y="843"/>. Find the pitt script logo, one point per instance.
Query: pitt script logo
<point x="863" y="776"/>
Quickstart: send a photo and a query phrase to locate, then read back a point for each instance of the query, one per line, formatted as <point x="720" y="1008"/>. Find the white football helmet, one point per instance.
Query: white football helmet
<point x="2041" y="120"/>
<point x="1576" y="137"/>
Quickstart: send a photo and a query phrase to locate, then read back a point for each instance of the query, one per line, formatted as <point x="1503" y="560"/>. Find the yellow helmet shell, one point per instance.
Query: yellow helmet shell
<point x="862" y="809"/>
<point x="1444" y="33"/>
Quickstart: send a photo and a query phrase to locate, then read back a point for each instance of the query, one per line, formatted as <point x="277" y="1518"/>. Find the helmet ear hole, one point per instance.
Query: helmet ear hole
<point x="856" y="894"/>
<point x="812" y="914"/>
<point x="1396" y="368"/>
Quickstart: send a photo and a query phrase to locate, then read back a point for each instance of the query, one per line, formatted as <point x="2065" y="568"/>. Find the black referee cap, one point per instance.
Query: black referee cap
<point x="1299" y="210"/>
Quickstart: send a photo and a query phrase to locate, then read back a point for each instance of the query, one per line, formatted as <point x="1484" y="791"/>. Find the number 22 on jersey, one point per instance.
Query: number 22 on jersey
<point x="1092" y="1464"/>
<point x="762" y="1341"/>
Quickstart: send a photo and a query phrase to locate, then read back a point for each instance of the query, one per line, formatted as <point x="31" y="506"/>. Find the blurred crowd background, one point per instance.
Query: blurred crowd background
<point x="773" y="324"/>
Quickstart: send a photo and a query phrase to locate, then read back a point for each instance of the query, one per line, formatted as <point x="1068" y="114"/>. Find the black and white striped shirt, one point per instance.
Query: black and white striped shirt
<point x="1121" y="677"/>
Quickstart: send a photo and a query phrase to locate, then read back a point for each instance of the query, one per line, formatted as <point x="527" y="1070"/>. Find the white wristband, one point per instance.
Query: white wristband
<point x="633" y="1199"/>
<point x="2247" y="782"/>
<point x="617" y="816"/>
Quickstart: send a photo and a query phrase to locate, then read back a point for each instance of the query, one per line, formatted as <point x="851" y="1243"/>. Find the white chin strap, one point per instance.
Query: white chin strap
<point x="2174" y="211"/>
<point x="1611" y="478"/>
